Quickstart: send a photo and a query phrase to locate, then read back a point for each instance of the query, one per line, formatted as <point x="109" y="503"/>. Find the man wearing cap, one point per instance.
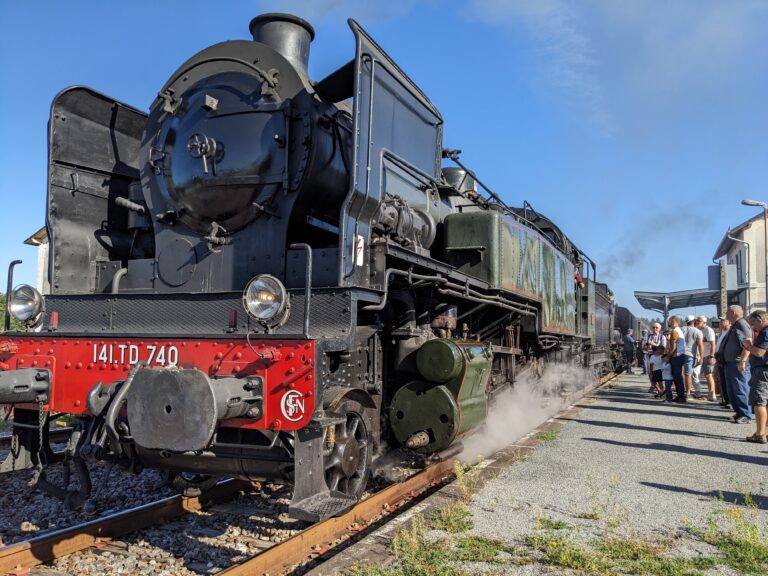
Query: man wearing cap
<point x="629" y="349"/>
<point x="737" y="372"/>
<point x="707" y="366"/>
<point x="693" y="353"/>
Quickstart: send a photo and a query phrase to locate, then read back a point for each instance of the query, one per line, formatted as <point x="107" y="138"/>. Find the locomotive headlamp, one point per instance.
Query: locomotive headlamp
<point x="266" y="300"/>
<point x="26" y="305"/>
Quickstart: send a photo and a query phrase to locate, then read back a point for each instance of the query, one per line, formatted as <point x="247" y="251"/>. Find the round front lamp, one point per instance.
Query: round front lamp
<point x="266" y="300"/>
<point x="26" y="305"/>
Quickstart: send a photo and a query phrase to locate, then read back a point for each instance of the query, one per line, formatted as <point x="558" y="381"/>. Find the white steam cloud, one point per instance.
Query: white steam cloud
<point x="530" y="402"/>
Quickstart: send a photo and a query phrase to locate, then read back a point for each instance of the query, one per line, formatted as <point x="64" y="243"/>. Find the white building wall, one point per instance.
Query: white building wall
<point x="42" y="268"/>
<point x="750" y="265"/>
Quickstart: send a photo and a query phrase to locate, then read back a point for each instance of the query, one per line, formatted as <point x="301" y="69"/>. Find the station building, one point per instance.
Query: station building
<point x="743" y="247"/>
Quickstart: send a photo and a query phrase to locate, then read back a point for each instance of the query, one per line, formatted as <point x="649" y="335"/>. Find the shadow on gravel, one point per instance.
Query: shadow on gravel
<point x="647" y="399"/>
<point x="673" y="414"/>
<point x="752" y="500"/>
<point x="651" y="429"/>
<point x="686" y="450"/>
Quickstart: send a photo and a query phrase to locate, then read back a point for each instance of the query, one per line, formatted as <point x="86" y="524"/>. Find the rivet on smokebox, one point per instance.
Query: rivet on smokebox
<point x="291" y="370"/>
<point x="275" y="424"/>
<point x="79" y="365"/>
<point x="77" y="402"/>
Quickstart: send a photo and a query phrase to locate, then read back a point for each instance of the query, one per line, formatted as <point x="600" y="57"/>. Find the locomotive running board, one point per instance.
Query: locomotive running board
<point x="312" y="500"/>
<point x="322" y="506"/>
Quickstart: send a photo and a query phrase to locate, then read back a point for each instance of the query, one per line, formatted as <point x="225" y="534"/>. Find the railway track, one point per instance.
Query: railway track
<point x="279" y="558"/>
<point x="55" y="435"/>
<point x="18" y="557"/>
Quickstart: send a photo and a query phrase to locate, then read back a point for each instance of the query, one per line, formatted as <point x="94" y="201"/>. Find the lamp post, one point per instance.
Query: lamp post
<point x="764" y="206"/>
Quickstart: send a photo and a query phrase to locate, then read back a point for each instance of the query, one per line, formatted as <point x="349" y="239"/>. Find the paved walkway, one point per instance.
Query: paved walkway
<point x="626" y="466"/>
<point x="628" y="461"/>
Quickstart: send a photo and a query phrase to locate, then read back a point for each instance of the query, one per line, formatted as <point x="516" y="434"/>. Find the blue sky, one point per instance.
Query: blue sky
<point x="636" y="126"/>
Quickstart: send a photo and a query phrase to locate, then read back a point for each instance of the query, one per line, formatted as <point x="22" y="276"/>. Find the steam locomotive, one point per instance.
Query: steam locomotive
<point x="270" y="277"/>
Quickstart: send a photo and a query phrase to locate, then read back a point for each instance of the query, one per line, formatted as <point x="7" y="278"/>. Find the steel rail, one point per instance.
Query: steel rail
<point x="55" y="435"/>
<point x="298" y="548"/>
<point x="51" y="545"/>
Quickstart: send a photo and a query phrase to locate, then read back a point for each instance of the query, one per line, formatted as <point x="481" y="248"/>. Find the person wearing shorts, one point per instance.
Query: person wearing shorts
<point x="693" y="352"/>
<point x="708" y="362"/>
<point x="758" y="381"/>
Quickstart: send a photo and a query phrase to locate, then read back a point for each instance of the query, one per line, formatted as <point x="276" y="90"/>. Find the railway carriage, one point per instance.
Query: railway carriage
<point x="270" y="277"/>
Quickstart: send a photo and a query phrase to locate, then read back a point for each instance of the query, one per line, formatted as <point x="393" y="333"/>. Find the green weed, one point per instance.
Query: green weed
<point x="454" y="518"/>
<point x="547" y="435"/>
<point x="547" y="523"/>
<point x="478" y="549"/>
<point x="467" y="477"/>
<point x="744" y="544"/>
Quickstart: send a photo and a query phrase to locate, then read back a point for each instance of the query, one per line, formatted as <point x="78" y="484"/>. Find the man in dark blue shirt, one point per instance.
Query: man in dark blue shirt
<point x="629" y="349"/>
<point x="758" y="382"/>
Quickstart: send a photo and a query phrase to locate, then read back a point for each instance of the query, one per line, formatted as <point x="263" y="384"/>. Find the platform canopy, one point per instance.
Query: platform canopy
<point x="665" y="301"/>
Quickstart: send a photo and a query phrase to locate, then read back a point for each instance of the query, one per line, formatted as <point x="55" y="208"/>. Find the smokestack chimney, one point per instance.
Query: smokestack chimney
<point x="287" y="34"/>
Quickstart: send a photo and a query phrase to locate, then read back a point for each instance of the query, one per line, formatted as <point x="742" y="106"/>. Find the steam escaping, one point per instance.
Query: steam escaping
<point x="529" y="403"/>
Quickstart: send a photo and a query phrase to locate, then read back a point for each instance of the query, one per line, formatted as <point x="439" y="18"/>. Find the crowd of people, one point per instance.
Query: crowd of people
<point x="692" y="361"/>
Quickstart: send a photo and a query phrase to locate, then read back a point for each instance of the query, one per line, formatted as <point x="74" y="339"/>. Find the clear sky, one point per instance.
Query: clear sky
<point x="637" y="126"/>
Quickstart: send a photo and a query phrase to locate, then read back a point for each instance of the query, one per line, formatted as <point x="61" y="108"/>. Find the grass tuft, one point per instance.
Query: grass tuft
<point x="744" y="544"/>
<point x="478" y="549"/>
<point x="455" y="518"/>
<point x="547" y="435"/>
<point x="547" y="523"/>
<point x="565" y="553"/>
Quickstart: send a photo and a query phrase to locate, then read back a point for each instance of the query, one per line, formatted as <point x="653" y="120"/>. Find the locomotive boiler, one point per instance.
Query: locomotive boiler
<point x="271" y="277"/>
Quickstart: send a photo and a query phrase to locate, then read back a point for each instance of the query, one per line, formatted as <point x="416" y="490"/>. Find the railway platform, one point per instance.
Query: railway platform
<point x="619" y="483"/>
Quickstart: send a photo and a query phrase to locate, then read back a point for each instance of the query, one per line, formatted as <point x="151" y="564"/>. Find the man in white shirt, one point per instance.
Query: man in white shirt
<point x="692" y="349"/>
<point x="708" y="360"/>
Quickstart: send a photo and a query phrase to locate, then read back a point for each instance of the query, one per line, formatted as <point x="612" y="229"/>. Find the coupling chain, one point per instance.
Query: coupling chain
<point x="41" y="422"/>
<point x="14" y="447"/>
